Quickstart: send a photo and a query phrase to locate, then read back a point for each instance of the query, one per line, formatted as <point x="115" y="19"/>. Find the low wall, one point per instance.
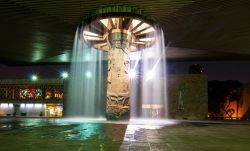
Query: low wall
<point x="188" y="96"/>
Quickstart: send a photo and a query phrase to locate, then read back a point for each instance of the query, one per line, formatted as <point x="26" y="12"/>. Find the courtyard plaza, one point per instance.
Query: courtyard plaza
<point x="57" y="134"/>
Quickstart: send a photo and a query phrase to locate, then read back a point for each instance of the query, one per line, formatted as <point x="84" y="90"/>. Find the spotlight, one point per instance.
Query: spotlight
<point x="64" y="75"/>
<point x="4" y="105"/>
<point x="88" y="74"/>
<point x="34" y="77"/>
<point x="88" y="57"/>
<point x="150" y="75"/>
<point x="23" y="105"/>
<point x="132" y="74"/>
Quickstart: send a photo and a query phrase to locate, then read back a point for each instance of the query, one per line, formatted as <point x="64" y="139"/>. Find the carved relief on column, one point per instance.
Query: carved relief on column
<point x="118" y="87"/>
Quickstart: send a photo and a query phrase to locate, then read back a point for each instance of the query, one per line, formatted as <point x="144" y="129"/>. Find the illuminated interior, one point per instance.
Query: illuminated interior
<point x="54" y="110"/>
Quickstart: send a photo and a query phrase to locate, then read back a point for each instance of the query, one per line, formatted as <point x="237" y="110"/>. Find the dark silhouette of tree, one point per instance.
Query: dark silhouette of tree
<point x="219" y="92"/>
<point x="195" y="69"/>
<point x="234" y="93"/>
<point x="216" y="93"/>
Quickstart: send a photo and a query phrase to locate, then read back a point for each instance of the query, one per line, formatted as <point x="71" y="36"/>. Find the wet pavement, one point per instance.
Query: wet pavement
<point x="189" y="136"/>
<point x="54" y="135"/>
<point x="45" y="134"/>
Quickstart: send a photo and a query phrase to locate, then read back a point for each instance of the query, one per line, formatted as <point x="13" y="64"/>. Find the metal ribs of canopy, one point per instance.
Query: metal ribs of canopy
<point x="141" y="33"/>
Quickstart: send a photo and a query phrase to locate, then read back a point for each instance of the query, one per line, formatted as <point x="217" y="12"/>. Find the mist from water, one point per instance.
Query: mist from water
<point x="86" y="94"/>
<point x="149" y="87"/>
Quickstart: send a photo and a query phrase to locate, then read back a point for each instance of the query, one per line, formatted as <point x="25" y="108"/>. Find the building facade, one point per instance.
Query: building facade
<point x="187" y="97"/>
<point x="31" y="98"/>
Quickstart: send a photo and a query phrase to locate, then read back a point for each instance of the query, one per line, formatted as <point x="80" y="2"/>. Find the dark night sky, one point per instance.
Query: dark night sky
<point x="219" y="70"/>
<point x="24" y="72"/>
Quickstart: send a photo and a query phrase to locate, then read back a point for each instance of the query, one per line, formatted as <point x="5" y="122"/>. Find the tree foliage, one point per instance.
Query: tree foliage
<point x="219" y="92"/>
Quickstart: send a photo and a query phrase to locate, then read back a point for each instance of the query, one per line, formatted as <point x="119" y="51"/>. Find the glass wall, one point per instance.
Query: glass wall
<point x="31" y="109"/>
<point x="54" y="110"/>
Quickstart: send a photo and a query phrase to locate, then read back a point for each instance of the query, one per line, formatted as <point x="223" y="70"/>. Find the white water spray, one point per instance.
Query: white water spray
<point x="87" y="83"/>
<point x="149" y="89"/>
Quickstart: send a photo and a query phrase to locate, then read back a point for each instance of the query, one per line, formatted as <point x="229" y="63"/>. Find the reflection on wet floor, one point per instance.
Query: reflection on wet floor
<point x="49" y="134"/>
<point x="188" y="136"/>
<point x="141" y="135"/>
<point x="85" y="131"/>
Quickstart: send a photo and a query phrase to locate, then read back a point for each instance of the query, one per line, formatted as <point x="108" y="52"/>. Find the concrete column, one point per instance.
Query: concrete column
<point x="118" y="87"/>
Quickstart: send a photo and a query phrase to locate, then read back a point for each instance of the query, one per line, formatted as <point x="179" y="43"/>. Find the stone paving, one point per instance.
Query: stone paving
<point x="38" y="134"/>
<point x="185" y="136"/>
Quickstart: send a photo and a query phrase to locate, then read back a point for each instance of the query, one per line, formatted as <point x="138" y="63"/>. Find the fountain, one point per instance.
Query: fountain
<point x="105" y="49"/>
<point x="149" y="86"/>
<point x="87" y="82"/>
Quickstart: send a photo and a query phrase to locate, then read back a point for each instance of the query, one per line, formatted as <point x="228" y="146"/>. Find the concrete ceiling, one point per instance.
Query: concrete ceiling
<point x="42" y="31"/>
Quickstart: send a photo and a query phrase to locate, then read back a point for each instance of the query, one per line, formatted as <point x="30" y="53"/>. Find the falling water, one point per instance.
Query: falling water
<point x="149" y="87"/>
<point x="86" y="94"/>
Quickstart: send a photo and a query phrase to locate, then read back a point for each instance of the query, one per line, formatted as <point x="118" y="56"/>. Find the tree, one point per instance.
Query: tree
<point x="219" y="92"/>
<point x="195" y="69"/>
